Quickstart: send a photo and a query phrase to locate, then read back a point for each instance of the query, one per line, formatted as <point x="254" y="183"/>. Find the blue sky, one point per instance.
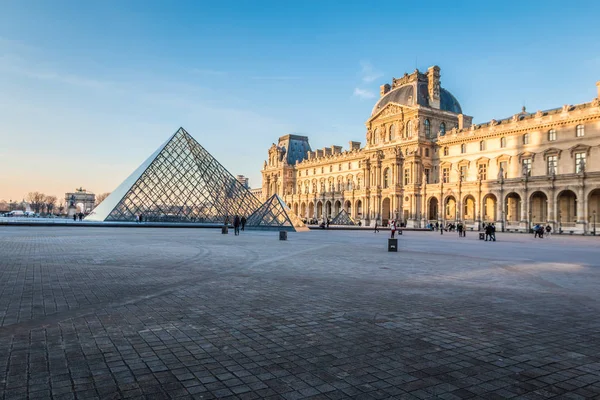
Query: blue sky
<point x="89" y="89"/>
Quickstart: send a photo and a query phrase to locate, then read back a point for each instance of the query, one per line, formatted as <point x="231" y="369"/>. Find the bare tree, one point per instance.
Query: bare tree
<point x="101" y="197"/>
<point x="36" y="200"/>
<point x="50" y="203"/>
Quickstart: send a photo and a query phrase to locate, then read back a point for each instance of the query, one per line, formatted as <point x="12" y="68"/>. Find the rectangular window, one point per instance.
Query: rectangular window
<point x="552" y="165"/>
<point x="463" y="173"/>
<point x="504" y="168"/>
<point x="426" y="152"/>
<point x="427" y="175"/>
<point x="579" y="162"/>
<point x="446" y="175"/>
<point x="551" y="135"/>
<point x="406" y="176"/>
<point x="527" y="167"/>
<point x="482" y="172"/>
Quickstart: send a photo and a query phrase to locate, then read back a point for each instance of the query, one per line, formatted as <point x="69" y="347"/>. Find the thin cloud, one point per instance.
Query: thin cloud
<point x="363" y="93"/>
<point x="368" y="72"/>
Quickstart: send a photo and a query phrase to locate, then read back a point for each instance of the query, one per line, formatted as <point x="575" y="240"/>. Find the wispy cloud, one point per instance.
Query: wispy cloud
<point x="17" y="65"/>
<point x="363" y="93"/>
<point x="275" y="78"/>
<point x="368" y="72"/>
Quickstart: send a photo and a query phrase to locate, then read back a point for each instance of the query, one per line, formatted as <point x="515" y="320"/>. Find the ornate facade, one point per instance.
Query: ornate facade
<point x="425" y="162"/>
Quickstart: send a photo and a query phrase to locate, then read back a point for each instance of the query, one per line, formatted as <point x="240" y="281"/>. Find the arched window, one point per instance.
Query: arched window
<point x="482" y="145"/>
<point x="392" y="132"/>
<point x="376" y="133"/>
<point x="463" y="148"/>
<point x="579" y="131"/>
<point x="409" y="129"/>
<point x="386" y="178"/>
<point x="442" y="129"/>
<point x="502" y="142"/>
<point x="427" y="128"/>
<point x="526" y="138"/>
<point x="445" y="151"/>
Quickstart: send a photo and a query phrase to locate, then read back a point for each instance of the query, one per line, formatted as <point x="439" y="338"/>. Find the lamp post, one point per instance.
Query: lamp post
<point x="594" y="222"/>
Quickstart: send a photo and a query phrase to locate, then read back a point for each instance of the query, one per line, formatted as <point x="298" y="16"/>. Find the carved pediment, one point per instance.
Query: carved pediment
<point x="552" y="151"/>
<point x="579" y="149"/>
<point x="526" y="154"/>
<point x="391" y="109"/>
<point x="446" y="164"/>
<point x="482" y="160"/>
<point x="464" y="162"/>
<point x="503" y="157"/>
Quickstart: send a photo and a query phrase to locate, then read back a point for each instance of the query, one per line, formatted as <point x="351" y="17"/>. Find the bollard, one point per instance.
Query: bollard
<point x="392" y="244"/>
<point x="282" y="235"/>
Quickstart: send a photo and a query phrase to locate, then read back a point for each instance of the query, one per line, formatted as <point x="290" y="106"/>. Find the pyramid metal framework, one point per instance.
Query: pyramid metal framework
<point x="179" y="182"/>
<point x="274" y="213"/>
<point x="343" y="218"/>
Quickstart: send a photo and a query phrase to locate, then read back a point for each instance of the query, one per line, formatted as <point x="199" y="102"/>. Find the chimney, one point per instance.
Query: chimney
<point x="384" y="89"/>
<point x="354" y="145"/>
<point x="598" y="87"/>
<point x="433" y="86"/>
<point x="464" y="121"/>
<point x="336" y="149"/>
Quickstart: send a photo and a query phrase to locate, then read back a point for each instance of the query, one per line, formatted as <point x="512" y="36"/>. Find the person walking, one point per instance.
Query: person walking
<point x="75" y="217"/>
<point x="459" y="228"/>
<point x="376" y="228"/>
<point x="236" y="225"/>
<point x="243" y="221"/>
<point x="493" y="232"/>
<point x="393" y="228"/>
<point x="548" y="230"/>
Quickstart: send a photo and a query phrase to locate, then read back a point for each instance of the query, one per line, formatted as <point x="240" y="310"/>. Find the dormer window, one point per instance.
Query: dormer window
<point x="427" y="128"/>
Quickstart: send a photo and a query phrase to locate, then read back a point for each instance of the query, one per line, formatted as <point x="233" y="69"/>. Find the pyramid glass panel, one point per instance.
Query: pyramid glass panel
<point x="180" y="182"/>
<point x="342" y="219"/>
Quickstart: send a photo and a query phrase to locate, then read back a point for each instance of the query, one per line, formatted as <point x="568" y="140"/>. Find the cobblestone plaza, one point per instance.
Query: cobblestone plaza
<point x="155" y="313"/>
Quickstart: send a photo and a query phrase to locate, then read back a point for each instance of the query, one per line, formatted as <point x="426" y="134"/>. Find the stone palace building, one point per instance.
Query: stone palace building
<point x="424" y="161"/>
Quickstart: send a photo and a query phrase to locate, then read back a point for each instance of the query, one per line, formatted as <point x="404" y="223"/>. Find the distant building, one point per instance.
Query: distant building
<point x="258" y="193"/>
<point x="80" y="201"/>
<point x="425" y="162"/>
<point x="243" y="180"/>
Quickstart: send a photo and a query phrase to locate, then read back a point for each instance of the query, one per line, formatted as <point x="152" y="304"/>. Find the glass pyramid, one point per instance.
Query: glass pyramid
<point x="179" y="182"/>
<point x="343" y="218"/>
<point x="274" y="213"/>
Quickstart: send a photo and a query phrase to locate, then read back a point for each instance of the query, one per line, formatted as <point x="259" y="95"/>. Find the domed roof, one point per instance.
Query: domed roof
<point x="405" y="95"/>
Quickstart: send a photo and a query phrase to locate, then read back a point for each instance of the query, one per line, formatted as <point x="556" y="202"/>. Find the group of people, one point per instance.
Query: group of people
<point x="490" y="232"/>
<point x="139" y="218"/>
<point x="237" y="223"/>
<point x="540" y="231"/>
<point x="78" y="215"/>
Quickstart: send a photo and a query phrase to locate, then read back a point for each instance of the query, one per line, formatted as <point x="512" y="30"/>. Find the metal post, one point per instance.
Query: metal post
<point x="594" y="222"/>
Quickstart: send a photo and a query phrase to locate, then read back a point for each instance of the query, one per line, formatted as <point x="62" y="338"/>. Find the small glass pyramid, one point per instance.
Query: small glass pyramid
<point x="343" y="218"/>
<point x="179" y="182"/>
<point x="274" y="213"/>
